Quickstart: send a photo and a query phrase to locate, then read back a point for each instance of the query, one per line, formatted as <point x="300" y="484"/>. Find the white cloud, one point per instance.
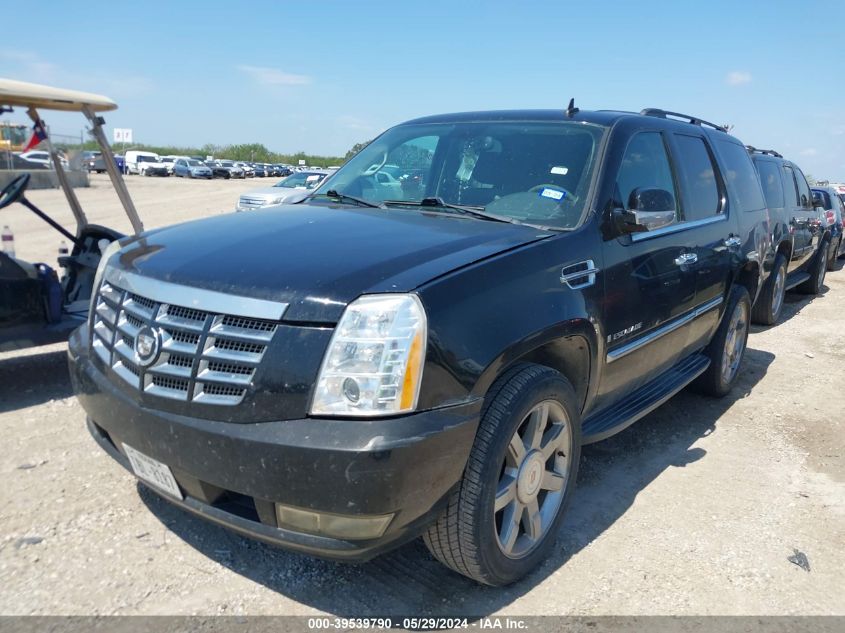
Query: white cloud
<point x="810" y="151"/>
<point x="738" y="77"/>
<point x="273" y="76"/>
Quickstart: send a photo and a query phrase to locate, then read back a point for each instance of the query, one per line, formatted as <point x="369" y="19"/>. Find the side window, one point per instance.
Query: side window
<point x="646" y="166"/>
<point x="804" y="196"/>
<point x="740" y="176"/>
<point x="772" y="184"/>
<point x="698" y="178"/>
<point x="790" y="189"/>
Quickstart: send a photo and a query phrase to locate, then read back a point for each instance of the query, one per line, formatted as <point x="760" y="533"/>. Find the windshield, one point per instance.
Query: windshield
<point x="533" y="172"/>
<point x="226" y="163"/>
<point x="195" y="163"/>
<point x="301" y="179"/>
<point x="147" y="159"/>
<point x="166" y="160"/>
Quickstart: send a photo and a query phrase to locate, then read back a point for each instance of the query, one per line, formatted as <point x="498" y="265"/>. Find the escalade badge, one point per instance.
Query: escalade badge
<point x="147" y="346"/>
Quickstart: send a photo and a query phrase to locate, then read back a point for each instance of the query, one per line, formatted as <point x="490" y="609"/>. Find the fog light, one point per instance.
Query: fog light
<point x="334" y="525"/>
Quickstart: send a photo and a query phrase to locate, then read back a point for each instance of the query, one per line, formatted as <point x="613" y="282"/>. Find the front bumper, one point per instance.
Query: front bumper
<point x="234" y="474"/>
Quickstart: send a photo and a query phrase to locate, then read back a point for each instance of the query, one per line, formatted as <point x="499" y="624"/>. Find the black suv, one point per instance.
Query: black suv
<point x="799" y="237"/>
<point x="379" y="362"/>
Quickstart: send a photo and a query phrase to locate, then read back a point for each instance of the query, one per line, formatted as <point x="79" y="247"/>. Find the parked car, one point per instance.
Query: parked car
<point x="135" y="159"/>
<point x="249" y="172"/>
<point x="191" y="168"/>
<point x="291" y="189"/>
<point x="258" y="170"/>
<point x="148" y="166"/>
<point x="9" y="160"/>
<point x="827" y="198"/>
<point x="341" y="375"/>
<point x="217" y="171"/>
<point x="234" y="170"/>
<point x="89" y="160"/>
<point x="169" y="162"/>
<point x="42" y="157"/>
<point x="799" y="241"/>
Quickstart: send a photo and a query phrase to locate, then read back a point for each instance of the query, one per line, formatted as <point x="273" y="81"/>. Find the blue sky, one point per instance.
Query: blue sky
<point x="320" y="76"/>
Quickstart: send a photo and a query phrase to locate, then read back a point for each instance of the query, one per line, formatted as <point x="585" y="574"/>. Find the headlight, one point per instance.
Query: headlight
<point x="374" y="362"/>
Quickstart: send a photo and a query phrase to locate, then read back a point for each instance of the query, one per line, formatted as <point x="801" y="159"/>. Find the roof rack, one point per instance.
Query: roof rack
<point x="665" y="114"/>
<point x="768" y="152"/>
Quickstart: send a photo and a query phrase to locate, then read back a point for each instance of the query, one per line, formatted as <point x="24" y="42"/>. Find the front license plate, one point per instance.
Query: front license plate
<point x="153" y="472"/>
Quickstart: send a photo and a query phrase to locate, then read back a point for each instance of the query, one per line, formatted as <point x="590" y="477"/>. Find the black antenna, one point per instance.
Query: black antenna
<point x="571" y="109"/>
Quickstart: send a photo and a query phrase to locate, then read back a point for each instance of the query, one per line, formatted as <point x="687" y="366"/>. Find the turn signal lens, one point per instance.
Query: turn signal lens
<point x="374" y="362"/>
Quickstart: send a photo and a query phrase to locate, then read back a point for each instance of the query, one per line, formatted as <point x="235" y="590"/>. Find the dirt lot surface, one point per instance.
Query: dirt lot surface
<point x="696" y="509"/>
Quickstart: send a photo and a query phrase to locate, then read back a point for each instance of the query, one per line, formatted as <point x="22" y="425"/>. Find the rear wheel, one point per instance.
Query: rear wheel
<point x="815" y="283"/>
<point x="833" y="254"/>
<point x="727" y="348"/>
<point x="502" y="519"/>
<point x="769" y="304"/>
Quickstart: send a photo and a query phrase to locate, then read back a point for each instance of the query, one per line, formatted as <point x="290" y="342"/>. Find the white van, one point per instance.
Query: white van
<point x="138" y="162"/>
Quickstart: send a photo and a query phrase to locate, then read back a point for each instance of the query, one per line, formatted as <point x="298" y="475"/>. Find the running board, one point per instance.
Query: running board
<point x="796" y="279"/>
<point x="644" y="400"/>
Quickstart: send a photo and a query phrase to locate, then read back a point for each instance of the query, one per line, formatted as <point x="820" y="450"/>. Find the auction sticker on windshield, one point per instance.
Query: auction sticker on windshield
<point x="152" y="471"/>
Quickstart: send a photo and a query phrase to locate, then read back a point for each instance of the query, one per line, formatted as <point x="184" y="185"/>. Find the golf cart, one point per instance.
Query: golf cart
<point x="36" y="306"/>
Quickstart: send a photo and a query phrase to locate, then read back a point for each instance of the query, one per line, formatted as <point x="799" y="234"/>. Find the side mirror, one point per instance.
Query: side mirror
<point x="648" y="209"/>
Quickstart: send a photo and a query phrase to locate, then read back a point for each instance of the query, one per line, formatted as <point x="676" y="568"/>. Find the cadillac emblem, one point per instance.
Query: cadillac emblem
<point x="147" y="346"/>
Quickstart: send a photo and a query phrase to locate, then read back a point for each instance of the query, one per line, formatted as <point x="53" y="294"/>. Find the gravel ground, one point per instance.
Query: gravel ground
<point x="732" y="506"/>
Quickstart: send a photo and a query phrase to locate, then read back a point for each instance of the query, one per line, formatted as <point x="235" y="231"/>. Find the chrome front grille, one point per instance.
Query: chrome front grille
<point x="205" y="356"/>
<point x="247" y="202"/>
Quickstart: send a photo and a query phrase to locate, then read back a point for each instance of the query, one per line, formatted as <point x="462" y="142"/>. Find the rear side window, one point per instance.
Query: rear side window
<point x="804" y="195"/>
<point x="645" y="166"/>
<point x="742" y="182"/>
<point x="698" y="178"/>
<point x="790" y="189"/>
<point x="772" y="183"/>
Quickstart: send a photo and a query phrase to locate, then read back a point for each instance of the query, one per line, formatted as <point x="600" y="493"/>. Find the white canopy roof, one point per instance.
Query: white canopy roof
<point x="25" y="94"/>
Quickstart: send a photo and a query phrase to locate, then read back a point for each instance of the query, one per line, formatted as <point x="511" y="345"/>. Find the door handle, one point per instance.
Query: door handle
<point x="733" y="241"/>
<point x="686" y="258"/>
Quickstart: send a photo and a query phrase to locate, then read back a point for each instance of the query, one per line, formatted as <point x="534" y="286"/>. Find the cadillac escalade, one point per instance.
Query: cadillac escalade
<point x="427" y="356"/>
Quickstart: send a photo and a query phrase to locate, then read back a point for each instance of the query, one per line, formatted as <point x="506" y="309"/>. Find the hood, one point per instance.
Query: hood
<point x="199" y="168"/>
<point x="317" y="258"/>
<point x="273" y="193"/>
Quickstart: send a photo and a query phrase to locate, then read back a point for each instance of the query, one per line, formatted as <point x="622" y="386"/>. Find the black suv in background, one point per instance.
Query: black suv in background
<point x="342" y="375"/>
<point x="799" y="237"/>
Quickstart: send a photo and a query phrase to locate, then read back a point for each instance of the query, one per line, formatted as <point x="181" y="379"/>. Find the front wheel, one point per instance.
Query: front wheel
<point x="727" y="348"/>
<point x="503" y="517"/>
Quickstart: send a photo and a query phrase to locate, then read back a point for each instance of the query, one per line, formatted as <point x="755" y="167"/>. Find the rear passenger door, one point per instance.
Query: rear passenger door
<point x="814" y="220"/>
<point x="713" y="232"/>
<point x="799" y="220"/>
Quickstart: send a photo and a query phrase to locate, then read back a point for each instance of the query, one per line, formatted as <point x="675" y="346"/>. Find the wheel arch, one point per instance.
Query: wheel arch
<point x="569" y="348"/>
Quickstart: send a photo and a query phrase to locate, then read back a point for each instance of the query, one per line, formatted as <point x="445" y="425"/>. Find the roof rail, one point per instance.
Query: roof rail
<point x="665" y="114"/>
<point x="768" y="152"/>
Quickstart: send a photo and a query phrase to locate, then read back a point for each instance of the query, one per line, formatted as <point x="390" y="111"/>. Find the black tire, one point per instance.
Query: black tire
<point x="815" y="283"/>
<point x="769" y="304"/>
<point x="465" y="537"/>
<point x="833" y="254"/>
<point x="715" y="382"/>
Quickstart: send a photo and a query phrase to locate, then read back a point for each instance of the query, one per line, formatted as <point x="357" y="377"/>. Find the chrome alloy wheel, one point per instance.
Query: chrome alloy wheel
<point x="533" y="479"/>
<point x="779" y="292"/>
<point x="735" y="342"/>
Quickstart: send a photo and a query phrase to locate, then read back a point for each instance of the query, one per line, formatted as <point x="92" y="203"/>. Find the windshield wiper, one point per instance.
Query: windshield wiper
<point x="436" y="201"/>
<point x="342" y="197"/>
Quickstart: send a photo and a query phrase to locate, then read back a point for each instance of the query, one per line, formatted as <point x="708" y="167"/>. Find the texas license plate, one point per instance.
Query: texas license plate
<point x="153" y="472"/>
